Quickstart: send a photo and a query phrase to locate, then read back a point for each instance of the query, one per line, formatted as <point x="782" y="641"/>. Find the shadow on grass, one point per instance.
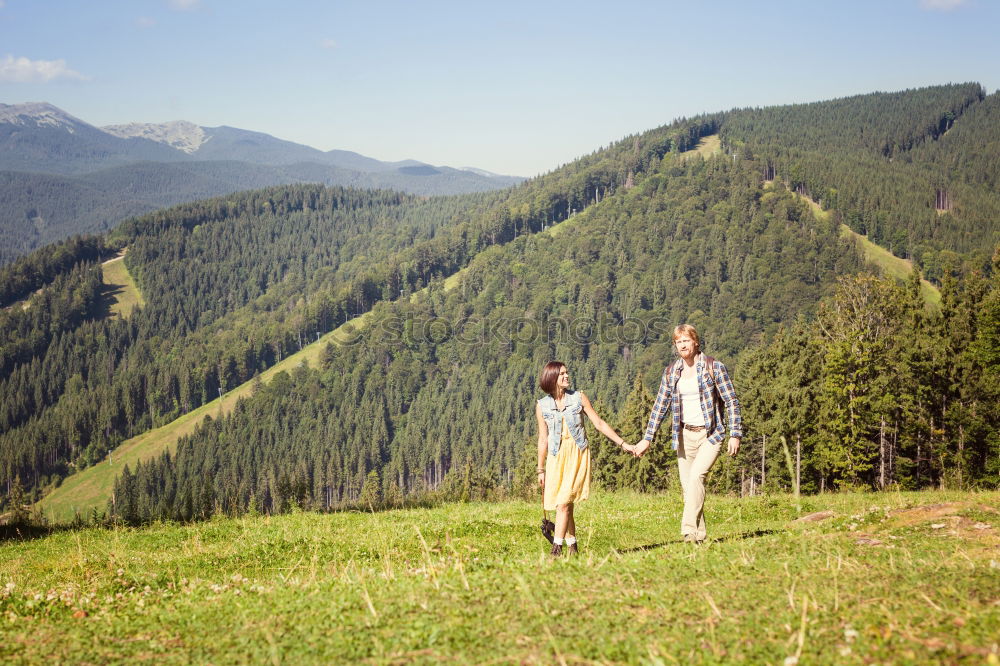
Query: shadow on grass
<point x="732" y="537"/>
<point x="108" y="299"/>
<point x="9" y="533"/>
<point x="746" y="535"/>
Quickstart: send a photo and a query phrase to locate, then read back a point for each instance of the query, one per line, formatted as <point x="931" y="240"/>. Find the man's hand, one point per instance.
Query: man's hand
<point x="640" y="448"/>
<point x="734" y="445"/>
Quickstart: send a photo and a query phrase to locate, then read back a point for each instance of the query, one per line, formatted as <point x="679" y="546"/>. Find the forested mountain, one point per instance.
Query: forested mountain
<point x="37" y="209"/>
<point x="60" y="176"/>
<point x="913" y="170"/>
<point x="593" y="264"/>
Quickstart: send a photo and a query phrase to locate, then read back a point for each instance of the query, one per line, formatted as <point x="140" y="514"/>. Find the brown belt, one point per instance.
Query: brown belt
<point x="693" y="428"/>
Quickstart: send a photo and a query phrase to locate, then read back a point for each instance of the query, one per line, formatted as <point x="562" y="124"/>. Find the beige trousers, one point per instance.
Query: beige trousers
<point x="695" y="456"/>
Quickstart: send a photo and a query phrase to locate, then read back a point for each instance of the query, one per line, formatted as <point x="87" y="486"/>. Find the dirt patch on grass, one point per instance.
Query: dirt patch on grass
<point x="921" y="514"/>
<point x="966" y="520"/>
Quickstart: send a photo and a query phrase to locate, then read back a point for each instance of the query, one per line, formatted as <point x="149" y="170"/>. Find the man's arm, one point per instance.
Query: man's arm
<point x="660" y="407"/>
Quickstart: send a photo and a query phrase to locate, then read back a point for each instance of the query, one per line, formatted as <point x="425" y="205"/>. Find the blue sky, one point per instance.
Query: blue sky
<point x="512" y="87"/>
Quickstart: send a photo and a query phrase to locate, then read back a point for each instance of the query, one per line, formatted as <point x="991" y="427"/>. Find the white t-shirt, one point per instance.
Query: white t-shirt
<point x="691" y="413"/>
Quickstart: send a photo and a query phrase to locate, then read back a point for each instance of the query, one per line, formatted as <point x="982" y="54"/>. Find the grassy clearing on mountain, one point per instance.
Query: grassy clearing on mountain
<point x="707" y="147"/>
<point x="91" y="488"/>
<point x="891" y="577"/>
<point x="120" y="292"/>
<point x="876" y="255"/>
<point x="891" y="265"/>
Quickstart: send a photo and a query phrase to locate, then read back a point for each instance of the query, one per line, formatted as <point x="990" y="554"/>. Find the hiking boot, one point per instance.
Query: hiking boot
<point x="573" y="550"/>
<point x="556" y="550"/>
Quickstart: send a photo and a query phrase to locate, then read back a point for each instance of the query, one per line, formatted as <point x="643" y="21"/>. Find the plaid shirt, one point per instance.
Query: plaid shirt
<point x="669" y="396"/>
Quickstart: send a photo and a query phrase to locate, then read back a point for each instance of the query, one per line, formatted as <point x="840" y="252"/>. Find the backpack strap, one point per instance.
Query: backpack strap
<point x="716" y="398"/>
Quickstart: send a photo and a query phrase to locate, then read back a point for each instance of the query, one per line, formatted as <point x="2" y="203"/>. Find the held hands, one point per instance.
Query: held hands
<point x="640" y="448"/>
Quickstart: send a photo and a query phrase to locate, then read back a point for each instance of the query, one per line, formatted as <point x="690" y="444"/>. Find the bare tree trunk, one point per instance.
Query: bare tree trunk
<point x="798" y="461"/>
<point x="881" y="454"/>
<point x="763" y="466"/>
<point x="960" y="463"/>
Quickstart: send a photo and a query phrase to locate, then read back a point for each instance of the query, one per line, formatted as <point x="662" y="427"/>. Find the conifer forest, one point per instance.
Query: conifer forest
<point x="849" y="377"/>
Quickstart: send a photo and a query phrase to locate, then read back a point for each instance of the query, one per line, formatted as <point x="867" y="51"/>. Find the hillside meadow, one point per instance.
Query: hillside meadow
<point x="889" y="577"/>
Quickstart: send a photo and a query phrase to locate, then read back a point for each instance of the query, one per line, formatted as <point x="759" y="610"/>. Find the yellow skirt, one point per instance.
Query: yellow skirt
<point x="567" y="474"/>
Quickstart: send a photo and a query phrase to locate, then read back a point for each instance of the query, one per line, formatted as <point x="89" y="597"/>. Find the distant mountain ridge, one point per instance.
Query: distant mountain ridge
<point x="61" y="176"/>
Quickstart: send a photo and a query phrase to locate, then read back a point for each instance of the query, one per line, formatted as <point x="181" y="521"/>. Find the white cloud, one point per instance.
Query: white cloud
<point x="326" y="43"/>
<point x="142" y="21"/>
<point x="184" y="5"/>
<point x="941" y="5"/>
<point x="22" y="70"/>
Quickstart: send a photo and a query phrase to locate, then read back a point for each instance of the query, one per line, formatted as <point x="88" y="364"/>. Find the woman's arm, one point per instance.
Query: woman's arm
<point x="543" y="448"/>
<point x="599" y="423"/>
<point x="660" y="407"/>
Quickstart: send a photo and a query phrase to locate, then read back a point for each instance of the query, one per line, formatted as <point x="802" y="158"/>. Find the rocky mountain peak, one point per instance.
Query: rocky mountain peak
<point x="180" y="134"/>
<point x="39" y="114"/>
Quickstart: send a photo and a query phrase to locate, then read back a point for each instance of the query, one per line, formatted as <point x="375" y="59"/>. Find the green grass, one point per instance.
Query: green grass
<point x="120" y="289"/>
<point x="707" y="147"/>
<point x="890" y="578"/>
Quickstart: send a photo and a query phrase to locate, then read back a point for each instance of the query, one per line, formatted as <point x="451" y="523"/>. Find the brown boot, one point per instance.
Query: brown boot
<point x="556" y="550"/>
<point x="573" y="549"/>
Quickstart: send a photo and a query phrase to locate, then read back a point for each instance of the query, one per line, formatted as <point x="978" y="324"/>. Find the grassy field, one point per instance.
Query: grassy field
<point x="707" y="147"/>
<point x="886" y="578"/>
<point x="120" y="289"/>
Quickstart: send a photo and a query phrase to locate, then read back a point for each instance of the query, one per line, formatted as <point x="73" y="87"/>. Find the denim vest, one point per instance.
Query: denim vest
<point x="572" y="412"/>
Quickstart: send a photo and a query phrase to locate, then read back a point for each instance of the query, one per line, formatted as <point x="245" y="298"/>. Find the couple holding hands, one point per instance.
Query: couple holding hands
<point x="693" y="389"/>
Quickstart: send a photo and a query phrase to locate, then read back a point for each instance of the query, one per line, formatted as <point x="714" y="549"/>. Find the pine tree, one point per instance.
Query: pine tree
<point x="16" y="500"/>
<point x="371" y="491"/>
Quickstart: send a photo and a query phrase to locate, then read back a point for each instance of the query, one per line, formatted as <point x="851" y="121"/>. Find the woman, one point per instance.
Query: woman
<point x="563" y="453"/>
<point x="692" y="388"/>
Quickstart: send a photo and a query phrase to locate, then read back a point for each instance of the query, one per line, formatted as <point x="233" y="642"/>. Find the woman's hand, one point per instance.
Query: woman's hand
<point x="640" y="448"/>
<point x="541" y="478"/>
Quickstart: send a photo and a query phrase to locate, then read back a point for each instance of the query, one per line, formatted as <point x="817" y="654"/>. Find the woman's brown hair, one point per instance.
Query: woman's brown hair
<point x="550" y="374"/>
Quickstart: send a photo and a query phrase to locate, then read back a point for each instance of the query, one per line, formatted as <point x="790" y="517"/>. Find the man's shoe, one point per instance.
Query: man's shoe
<point x="556" y="550"/>
<point x="573" y="549"/>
